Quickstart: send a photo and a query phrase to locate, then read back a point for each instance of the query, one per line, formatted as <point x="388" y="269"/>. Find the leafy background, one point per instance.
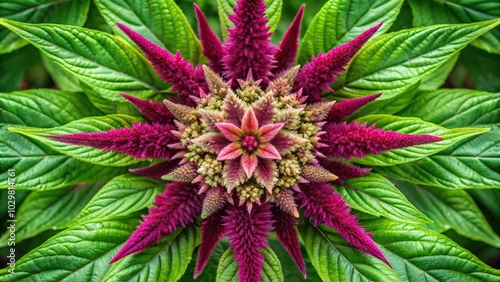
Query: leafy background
<point x="58" y="188"/>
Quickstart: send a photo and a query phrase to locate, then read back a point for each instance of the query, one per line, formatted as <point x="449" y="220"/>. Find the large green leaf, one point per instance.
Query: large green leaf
<point x="46" y="210"/>
<point x="419" y="254"/>
<point x="106" y="63"/>
<point x="438" y="77"/>
<point x="159" y="21"/>
<point x="167" y="261"/>
<point x="84" y="153"/>
<point x="81" y="253"/>
<point x="394" y="62"/>
<point x="412" y="126"/>
<point x="375" y="195"/>
<point x="73" y="12"/>
<point x="38" y="167"/>
<point x="335" y="260"/>
<point x="121" y="196"/>
<point x="14" y="65"/>
<point x="340" y="21"/>
<point x="472" y="163"/>
<point x="429" y="12"/>
<point x="225" y="7"/>
<point x="227" y="270"/>
<point x="452" y="209"/>
<point x="61" y="77"/>
<point x="44" y="107"/>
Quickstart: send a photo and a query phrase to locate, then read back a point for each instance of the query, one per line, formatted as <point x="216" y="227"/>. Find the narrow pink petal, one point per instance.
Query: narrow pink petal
<point x="249" y="163"/>
<point x="287" y="234"/>
<point x="152" y="110"/>
<point x="316" y="75"/>
<point x="268" y="131"/>
<point x="322" y="204"/>
<point x="178" y="206"/>
<point x="247" y="234"/>
<point x="231" y="131"/>
<point x="157" y="170"/>
<point x="211" y="232"/>
<point x="230" y="152"/>
<point x="357" y="140"/>
<point x="212" y="46"/>
<point x="212" y="142"/>
<point x="346" y="108"/>
<point x="268" y="151"/>
<point x="249" y="124"/>
<point x="142" y="140"/>
<point x="285" y="57"/>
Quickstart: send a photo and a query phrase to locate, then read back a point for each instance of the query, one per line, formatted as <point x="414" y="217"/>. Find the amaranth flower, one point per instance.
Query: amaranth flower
<point x="249" y="143"/>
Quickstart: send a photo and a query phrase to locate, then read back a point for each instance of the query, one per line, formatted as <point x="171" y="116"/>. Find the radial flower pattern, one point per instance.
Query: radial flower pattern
<point x="250" y="143"/>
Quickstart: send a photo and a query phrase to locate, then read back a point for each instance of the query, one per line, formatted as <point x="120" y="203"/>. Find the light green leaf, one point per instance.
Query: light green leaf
<point x="84" y="153"/>
<point x="40" y="168"/>
<point x="394" y="62"/>
<point x="375" y="195"/>
<point x="44" y="107"/>
<point x="167" y="261"/>
<point x="412" y="126"/>
<point x="225" y="7"/>
<point x="46" y="210"/>
<point x="429" y="12"/>
<point x="121" y="196"/>
<point x="419" y="254"/>
<point x="106" y="63"/>
<point x="160" y="21"/>
<point x="437" y="78"/>
<point x="227" y="270"/>
<point x="335" y="260"/>
<point x="81" y="253"/>
<point x="72" y="12"/>
<point x="63" y="78"/>
<point x="340" y="21"/>
<point x="452" y="209"/>
<point x="472" y="163"/>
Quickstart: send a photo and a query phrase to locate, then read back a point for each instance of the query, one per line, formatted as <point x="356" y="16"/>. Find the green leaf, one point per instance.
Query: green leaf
<point x="81" y="253"/>
<point x="40" y="168"/>
<point x="106" y="63"/>
<point x="437" y="78"/>
<point x="46" y="210"/>
<point x="473" y="163"/>
<point x="227" y="270"/>
<point x="44" y="107"/>
<point x="394" y="62"/>
<point x="14" y="65"/>
<point x="72" y="12"/>
<point x="160" y="21"/>
<point x="225" y="8"/>
<point x="481" y="67"/>
<point x="375" y="195"/>
<point x="62" y="78"/>
<point x="340" y="21"/>
<point x="412" y="126"/>
<point x="84" y="153"/>
<point x="452" y="209"/>
<point x="429" y="12"/>
<point x="455" y="107"/>
<point x="167" y="261"/>
<point x="419" y="254"/>
<point x="121" y="196"/>
<point x="335" y="260"/>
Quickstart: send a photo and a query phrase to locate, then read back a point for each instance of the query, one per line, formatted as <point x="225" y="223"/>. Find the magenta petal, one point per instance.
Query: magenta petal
<point x="249" y="124"/>
<point x="157" y="170"/>
<point x="322" y="204"/>
<point x="344" y="170"/>
<point x="233" y="174"/>
<point x="152" y="110"/>
<point x="316" y="75"/>
<point x="212" y="142"/>
<point x="231" y="131"/>
<point x="211" y="232"/>
<point x="141" y="141"/>
<point x="247" y="234"/>
<point x="268" y="151"/>
<point x="212" y="46"/>
<point x="285" y="57"/>
<point x="357" y="140"/>
<point x="178" y="206"/>
<point x="267" y="132"/>
<point x="230" y="152"/>
<point x="265" y="172"/>
<point x="249" y="163"/>
<point x="346" y="108"/>
<point x="287" y="234"/>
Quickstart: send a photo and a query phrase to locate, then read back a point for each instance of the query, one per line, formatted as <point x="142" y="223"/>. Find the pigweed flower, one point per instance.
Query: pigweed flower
<point x="249" y="145"/>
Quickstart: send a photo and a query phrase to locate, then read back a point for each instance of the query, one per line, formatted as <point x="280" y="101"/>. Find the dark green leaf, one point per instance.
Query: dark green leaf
<point x="14" y="65"/>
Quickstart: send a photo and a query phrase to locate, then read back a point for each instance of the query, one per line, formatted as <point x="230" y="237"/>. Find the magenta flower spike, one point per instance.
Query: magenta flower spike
<point x="256" y="148"/>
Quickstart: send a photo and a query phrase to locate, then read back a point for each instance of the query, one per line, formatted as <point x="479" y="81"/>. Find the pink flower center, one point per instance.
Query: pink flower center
<point x="249" y="142"/>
